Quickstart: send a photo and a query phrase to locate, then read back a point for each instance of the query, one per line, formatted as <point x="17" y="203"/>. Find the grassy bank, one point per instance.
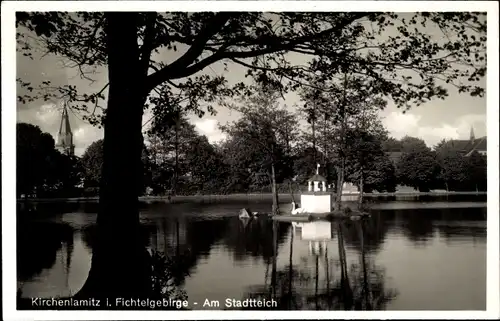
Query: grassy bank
<point x="284" y="197"/>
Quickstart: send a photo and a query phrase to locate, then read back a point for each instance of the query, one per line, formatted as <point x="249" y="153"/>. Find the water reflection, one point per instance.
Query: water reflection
<point x="323" y="278"/>
<point x="34" y="257"/>
<point x="394" y="260"/>
<point x="252" y="237"/>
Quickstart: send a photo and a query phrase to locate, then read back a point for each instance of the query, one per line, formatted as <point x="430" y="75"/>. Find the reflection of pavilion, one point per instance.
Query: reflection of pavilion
<point x="323" y="281"/>
<point x="316" y="233"/>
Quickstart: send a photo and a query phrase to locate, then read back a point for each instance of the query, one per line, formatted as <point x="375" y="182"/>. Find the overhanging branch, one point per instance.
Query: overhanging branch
<point x="194" y="51"/>
<point x="183" y="66"/>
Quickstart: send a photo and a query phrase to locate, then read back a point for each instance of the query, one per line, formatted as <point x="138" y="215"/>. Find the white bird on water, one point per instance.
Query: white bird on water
<point x="297" y="210"/>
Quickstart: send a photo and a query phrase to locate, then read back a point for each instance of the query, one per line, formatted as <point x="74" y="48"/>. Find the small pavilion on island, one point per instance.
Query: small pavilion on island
<point x="317" y="199"/>
<point x="316" y="183"/>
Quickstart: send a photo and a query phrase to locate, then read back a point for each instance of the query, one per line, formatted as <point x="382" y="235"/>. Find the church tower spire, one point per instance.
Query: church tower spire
<point x="65" y="136"/>
<point x="472" y="136"/>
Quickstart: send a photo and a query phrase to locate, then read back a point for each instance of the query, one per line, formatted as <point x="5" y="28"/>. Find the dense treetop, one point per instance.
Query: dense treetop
<point x="409" y="57"/>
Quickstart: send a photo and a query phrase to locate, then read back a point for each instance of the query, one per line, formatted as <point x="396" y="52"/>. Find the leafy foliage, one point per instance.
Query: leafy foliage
<point x="163" y="277"/>
<point x="363" y="140"/>
<point x="41" y="169"/>
<point x="408" y="65"/>
<point x="380" y="175"/>
<point x="182" y="161"/>
<point x="263" y="135"/>
<point x="169" y="146"/>
<point x="208" y="172"/>
<point x="347" y="129"/>
<point x="33" y="151"/>
<point x="91" y="161"/>
<point x="418" y="169"/>
<point x="411" y="64"/>
<point x="445" y="167"/>
<point x="368" y="164"/>
<point x="460" y="172"/>
<point x="239" y="178"/>
<point x="412" y="144"/>
<point x="65" y="174"/>
<point x="453" y="166"/>
<point x="391" y="144"/>
<point x="477" y="170"/>
<point x="305" y="163"/>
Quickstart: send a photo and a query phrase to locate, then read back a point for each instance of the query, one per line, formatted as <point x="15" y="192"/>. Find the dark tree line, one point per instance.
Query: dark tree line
<point x="191" y="165"/>
<point x="41" y="170"/>
<point x="442" y="167"/>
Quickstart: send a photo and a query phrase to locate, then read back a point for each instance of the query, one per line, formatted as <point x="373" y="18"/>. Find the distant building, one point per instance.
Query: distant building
<point x="465" y="147"/>
<point x="468" y="146"/>
<point x="64" y="142"/>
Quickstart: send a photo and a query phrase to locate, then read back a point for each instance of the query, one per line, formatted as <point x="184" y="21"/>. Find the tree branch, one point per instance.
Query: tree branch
<point x="90" y="41"/>
<point x="182" y="67"/>
<point x="194" y="51"/>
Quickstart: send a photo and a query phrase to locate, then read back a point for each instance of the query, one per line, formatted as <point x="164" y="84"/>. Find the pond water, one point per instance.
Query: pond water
<point x="427" y="254"/>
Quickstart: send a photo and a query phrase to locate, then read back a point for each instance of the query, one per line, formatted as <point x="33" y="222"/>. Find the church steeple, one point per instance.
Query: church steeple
<point x="472" y="136"/>
<point x="65" y="136"/>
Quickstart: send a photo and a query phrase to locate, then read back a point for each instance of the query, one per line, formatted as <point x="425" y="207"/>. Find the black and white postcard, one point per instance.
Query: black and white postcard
<point x="199" y="159"/>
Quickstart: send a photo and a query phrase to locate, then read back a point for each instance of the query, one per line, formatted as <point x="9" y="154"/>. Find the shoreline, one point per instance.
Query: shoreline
<point x="243" y="197"/>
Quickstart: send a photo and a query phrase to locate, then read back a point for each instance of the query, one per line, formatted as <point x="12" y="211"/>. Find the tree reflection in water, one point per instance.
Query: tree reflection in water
<point x="168" y="269"/>
<point x="173" y="260"/>
<point x="166" y="272"/>
<point x="252" y="238"/>
<point x="37" y="247"/>
<point x="342" y="285"/>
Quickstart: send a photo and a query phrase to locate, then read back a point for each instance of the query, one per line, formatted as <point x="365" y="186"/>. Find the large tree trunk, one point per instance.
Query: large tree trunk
<point x="275" y="191"/>
<point x="120" y="263"/>
<point x="287" y="138"/>
<point x="176" y="166"/>
<point x="325" y="142"/>
<point x="291" y="190"/>
<point x="341" y="168"/>
<point x="361" y="188"/>
<point x="340" y="183"/>
<point x="313" y="123"/>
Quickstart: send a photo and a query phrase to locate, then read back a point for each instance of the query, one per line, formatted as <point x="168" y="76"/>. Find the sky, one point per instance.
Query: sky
<point x="451" y="118"/>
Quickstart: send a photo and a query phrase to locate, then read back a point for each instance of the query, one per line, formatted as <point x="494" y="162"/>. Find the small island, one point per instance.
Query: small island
<point x="317" y="204"/>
